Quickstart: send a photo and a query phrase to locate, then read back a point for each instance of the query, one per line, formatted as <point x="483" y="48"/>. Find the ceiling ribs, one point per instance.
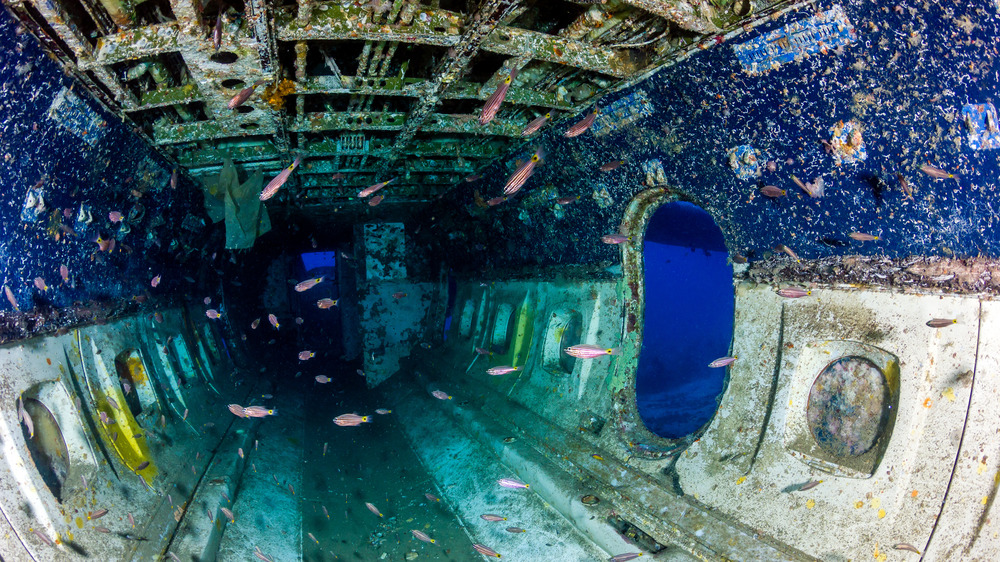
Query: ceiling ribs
<point x="416" y="76"/>
<point x="485" y="19"/>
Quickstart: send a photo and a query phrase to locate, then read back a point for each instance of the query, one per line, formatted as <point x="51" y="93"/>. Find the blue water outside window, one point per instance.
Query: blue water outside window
<point x="313" y="260"/>
<point x="452" y="292"/>
<point x="688" y="320"/>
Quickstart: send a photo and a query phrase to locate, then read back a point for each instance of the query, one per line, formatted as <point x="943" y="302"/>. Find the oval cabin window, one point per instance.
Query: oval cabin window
<point x="688" y="320"/>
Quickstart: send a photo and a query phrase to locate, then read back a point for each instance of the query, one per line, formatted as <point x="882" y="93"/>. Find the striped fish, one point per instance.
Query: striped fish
<point x="536" y="124"/>
<point x="10" y="298"/>
<point x="236" y="101"/>
<point x="41" y="536"/>
<point x="422" y="536"/>
<point x="279" y="180"/>
<point x="523" y="172"/>
<point x="582" y="126"/>
<point x="217" y="32"/>
<point x="494" y="101"/>
<point x="485" y="550"/>
<point x="624" y="557"/>
<point x="91" y="515"/>
<point x="372" y="189"/>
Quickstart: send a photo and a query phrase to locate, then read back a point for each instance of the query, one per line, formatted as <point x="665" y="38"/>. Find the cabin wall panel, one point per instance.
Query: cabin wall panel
<point x="901" y="501"/>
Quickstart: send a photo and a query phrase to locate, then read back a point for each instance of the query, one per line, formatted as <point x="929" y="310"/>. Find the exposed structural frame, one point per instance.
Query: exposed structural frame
<point x="365" y="91"/>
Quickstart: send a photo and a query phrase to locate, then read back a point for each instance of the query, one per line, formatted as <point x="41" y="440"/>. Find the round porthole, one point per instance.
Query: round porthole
<point x="848" y="406"/>
<point x="47" y="446"/>
<point x="244" y="109"/>
<point x="233" y="83"/>
<point x="224" y="57"/>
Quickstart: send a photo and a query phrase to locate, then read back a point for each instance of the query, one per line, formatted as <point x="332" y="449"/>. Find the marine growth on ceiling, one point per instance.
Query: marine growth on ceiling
<point x="363" y="91"/>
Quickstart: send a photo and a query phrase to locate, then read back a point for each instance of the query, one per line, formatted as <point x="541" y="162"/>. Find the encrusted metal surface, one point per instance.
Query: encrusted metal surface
<point x="365" y="91"/>
<point x="865" y="98"/>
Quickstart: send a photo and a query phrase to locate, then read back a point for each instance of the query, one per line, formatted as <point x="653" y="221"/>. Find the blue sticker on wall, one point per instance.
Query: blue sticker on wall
<point x="621" y="113"/>
<point x="981" y="121"/>
<point x="73" y="114"/>
<point x="826" y="30"/>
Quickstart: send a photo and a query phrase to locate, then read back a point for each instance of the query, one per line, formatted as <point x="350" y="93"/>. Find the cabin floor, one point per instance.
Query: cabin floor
<point x="334" y="471"/>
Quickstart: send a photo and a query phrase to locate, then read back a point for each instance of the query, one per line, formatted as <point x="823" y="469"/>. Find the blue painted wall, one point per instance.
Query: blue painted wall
<point x="903" y="81"/>
<point x="87" y="157"/>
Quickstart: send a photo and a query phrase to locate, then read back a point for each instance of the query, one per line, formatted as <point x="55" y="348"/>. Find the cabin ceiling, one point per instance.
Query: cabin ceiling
<point x="364" y="91"/>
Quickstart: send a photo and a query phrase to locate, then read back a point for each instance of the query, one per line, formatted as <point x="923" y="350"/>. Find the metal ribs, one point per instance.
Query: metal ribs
<point x="403" y="80"/>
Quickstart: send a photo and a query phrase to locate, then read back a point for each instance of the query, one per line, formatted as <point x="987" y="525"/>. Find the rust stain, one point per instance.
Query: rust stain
<point x="634" y="287"/>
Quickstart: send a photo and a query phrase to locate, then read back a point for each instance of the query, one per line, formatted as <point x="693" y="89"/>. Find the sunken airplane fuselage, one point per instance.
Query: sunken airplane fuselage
<point x="567" y="281"/>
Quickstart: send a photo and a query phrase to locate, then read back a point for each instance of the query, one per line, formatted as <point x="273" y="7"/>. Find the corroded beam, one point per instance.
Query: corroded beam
<point x="268" y="154"/>
<point x="695" y="15"/>
<point x="135" y="44"/>
<point x="212" y="156"/>
<point x="162" y="97"/>
<point x="316" y="203"/>
<point x="236" y="126"/>
<point x="267" y="50"/>
<point x="551" y="48"/>
<point x="440" y="166"/>
<point x="360" y="181"/>
<point x="57" y="18"/>
<point x="394" y="121"/>
<point x="336" y="22"/>
<point x="330" y="167"/>
<point x="125" y="98"/>
<point x="414" y="87"/>
<point x="384" y="149"/>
